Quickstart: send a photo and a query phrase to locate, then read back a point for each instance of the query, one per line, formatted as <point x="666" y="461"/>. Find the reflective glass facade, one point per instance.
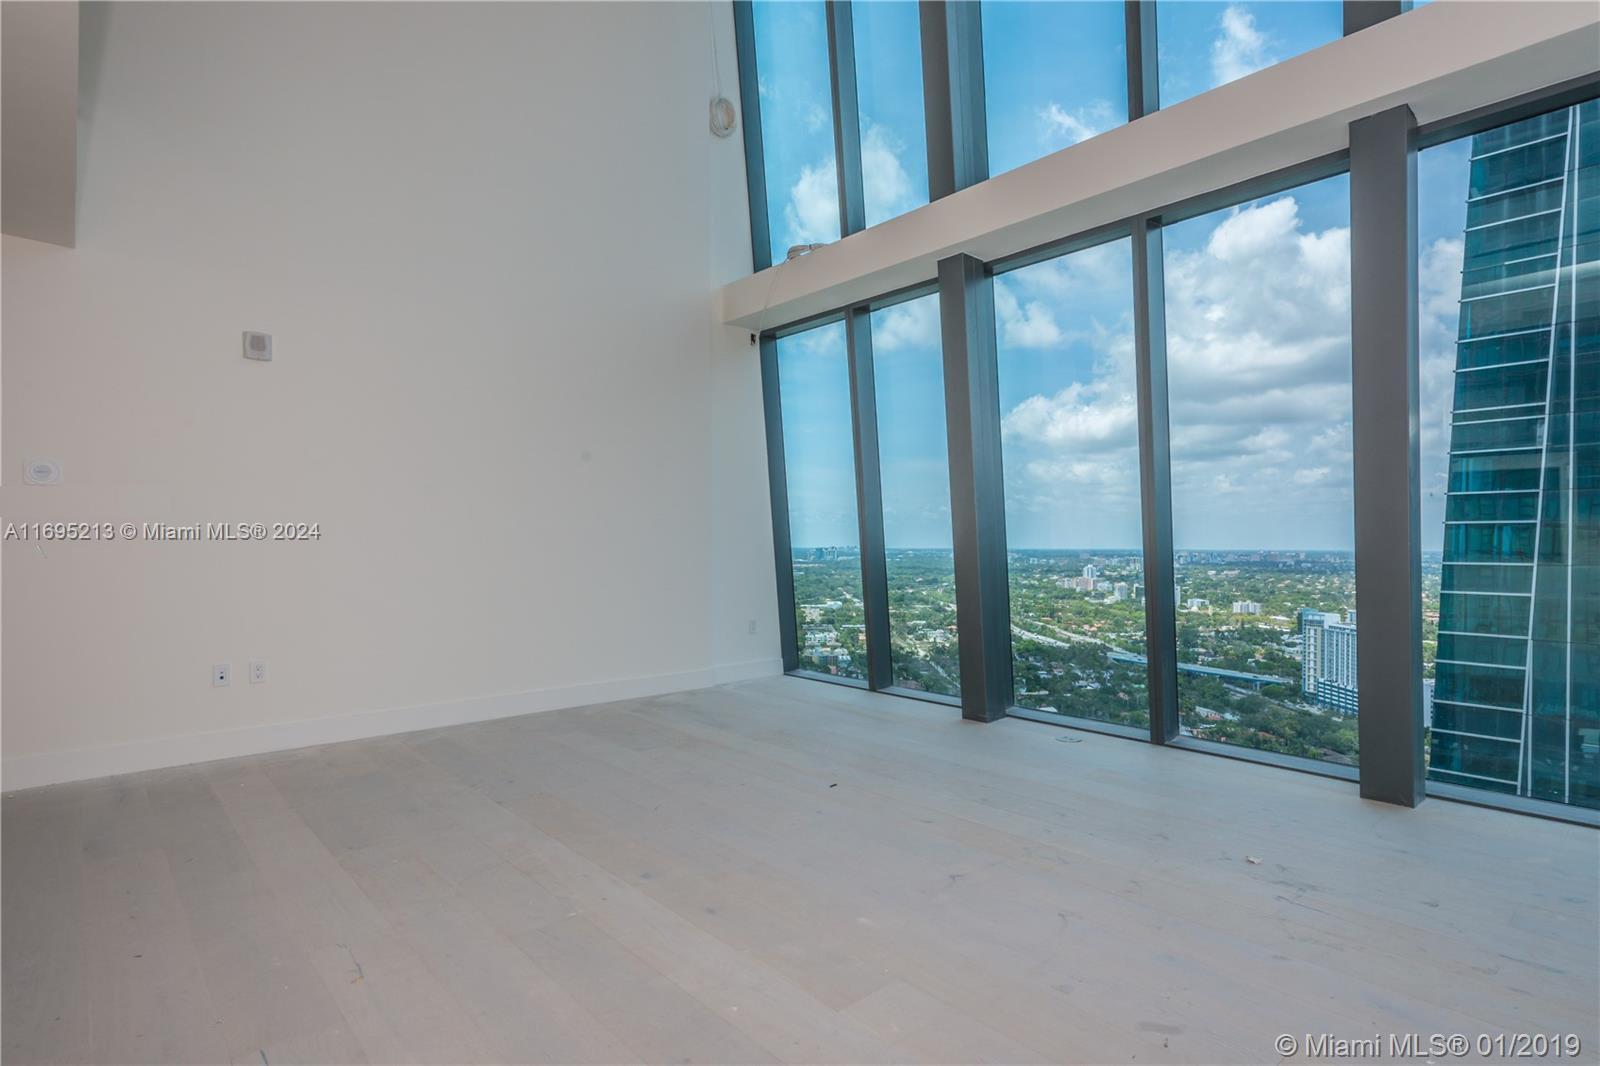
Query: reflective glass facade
<point x="1516" y="685"/>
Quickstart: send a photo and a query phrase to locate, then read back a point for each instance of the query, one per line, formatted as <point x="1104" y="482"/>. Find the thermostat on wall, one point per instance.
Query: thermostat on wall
<point x="258" y="346"/>
<point x="42" y="472"/>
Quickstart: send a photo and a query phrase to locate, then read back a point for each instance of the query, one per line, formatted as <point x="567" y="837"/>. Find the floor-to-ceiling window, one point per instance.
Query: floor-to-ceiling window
<point x="1509" y="291"/>
<point x="915" y="473"/>
<point x="1069" y="425"/>
<point x="824" y="537"/>
<point x="1054" y="75"/>
<point x="1258" y="350"/>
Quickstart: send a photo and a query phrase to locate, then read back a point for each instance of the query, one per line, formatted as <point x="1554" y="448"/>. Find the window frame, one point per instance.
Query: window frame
<point x="1386" y="163"/>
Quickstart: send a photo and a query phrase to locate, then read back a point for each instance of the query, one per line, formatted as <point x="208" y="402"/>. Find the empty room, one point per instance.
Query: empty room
<point x="800" y="531"/>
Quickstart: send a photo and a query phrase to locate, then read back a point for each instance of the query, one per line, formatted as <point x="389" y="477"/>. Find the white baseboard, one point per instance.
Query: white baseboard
<point x="79" y="764"/>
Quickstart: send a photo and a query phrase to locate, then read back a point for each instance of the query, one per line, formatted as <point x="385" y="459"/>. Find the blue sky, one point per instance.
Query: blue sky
<point x="1257" y="304"/>
<point x="1202" y="45"/>
<point x="1054" y="74"/>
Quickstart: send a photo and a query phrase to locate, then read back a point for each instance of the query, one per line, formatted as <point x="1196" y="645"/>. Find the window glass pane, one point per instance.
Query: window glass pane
<point x="1509" y="288"/>
<point x="1202" y="45"/>
<point x="796" y="123"/>
<point x="819" y="463"/>
<point x="1071" y="457"/>
<point x="1053" y="75"/>
<point x="908" y="372"/>
<point x="894" y="140"/>
<point x="1258" y="350"/>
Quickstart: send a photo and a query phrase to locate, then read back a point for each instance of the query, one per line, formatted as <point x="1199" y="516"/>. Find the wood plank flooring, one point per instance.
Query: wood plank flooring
<point x="777" y="871"/>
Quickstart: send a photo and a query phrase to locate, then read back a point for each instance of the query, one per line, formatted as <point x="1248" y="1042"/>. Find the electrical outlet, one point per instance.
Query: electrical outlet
<point x="258" y="671"/>
<point x="219" y="675"/>
<point x="752" y="627"/>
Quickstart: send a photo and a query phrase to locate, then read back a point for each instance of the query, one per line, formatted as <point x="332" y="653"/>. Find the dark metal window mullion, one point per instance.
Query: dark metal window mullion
<point x="846" y="118"/>
<point x="778" y="487"/>
<point x="1143" y="80"/>
<point x="1155" y="479"/>
<point x="744" y="39"/>
<point x="952" y="95"/>
<point x="1359" y="14"/>
<point x="869" y="498"/>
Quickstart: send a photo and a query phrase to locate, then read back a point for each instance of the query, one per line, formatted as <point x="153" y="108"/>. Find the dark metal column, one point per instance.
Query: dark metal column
<point x="952" y="95"/>
<point x="778" y="486"/>
<point x="846" y="118"/>
<point x="977" y="497"/>
<point x="869" y="498"/>
<point x="1383" y="300"/>
<point x="1155" y="479"/>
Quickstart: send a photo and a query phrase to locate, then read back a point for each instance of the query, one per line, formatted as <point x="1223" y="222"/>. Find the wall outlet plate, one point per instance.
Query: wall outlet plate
<point x="258" y="671"/>
<point x="219" y="675"/>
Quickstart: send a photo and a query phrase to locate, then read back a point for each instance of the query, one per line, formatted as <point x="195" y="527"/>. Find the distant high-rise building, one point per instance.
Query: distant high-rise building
<point x="1516" y="701"/>
<point x="1119" y="591"/>
<point x="1328" y="661"/>
<point x="1312" y="615"/>
<point x="1091" y="572"/>
<point x="1246" y="607"/>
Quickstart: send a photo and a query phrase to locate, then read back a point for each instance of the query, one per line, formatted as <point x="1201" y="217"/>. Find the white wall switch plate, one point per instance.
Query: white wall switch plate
<point x="258" y="671"/>
<point x="219" y="675"/>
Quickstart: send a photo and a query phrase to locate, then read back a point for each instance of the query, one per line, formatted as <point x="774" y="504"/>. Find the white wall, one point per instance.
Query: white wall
<point x="485" y="239"/>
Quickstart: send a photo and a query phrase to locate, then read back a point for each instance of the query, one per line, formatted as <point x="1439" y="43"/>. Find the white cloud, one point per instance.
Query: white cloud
<point x="1239" y="48"/>
<point x="1083" y="417"/>
<point x="1024" y="325"/>
<point x="1261" y="305"/>
<point x="885" y="182"/>
<point x="914" y="324"/>
<point x="812" y="212"/>
<point x="1258" y="343"/>
<point x="1060" y="128"/>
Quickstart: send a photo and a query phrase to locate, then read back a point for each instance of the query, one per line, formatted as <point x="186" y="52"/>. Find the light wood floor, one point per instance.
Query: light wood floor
<point x="776" y="871"/>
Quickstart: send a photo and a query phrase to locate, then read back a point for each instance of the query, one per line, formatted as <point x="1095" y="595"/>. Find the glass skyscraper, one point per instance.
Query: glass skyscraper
<point x="1517" y="697"/>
